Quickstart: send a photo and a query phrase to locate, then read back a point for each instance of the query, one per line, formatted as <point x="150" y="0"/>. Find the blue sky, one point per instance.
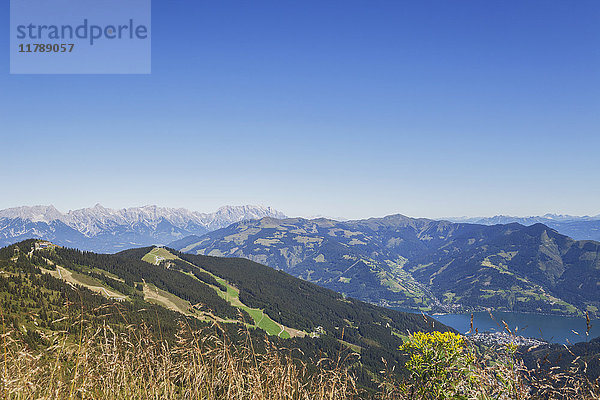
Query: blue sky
<point x="340" y="108"/>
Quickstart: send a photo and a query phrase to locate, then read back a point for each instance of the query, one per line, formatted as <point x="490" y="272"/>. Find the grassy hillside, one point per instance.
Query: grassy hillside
<point x="276" y="300"/>
<point x="36" y="301"/>
<point x="46" y="289"/>
<point x="303" y="304"/>
<point x="260" y="319"/>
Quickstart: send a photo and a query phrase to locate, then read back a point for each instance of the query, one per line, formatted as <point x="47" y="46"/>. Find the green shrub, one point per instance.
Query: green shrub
<point x="448" y="366"/>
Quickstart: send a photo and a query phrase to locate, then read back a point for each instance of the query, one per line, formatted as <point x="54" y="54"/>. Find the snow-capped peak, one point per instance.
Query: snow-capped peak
<point x="98" y="219"/>
<point x="38" y="213"/>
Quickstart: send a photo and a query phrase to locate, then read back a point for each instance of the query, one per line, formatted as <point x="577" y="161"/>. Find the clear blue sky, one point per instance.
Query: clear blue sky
<point x="342" y="108"/>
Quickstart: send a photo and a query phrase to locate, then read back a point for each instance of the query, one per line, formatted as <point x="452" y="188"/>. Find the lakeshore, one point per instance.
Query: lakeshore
<point x="547" y="328"/>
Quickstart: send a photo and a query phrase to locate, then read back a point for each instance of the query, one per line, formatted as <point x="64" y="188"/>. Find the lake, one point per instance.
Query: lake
<point x="552" y="328"/>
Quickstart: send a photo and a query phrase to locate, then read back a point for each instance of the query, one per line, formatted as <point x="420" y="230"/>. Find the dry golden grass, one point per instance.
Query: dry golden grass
<point x="101" y="364"/>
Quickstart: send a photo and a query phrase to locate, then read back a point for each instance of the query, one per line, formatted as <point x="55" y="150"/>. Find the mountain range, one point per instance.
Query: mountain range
<point x="395" y="261"/>
<point x="108" y="230"/>
<point x="103" y="229"/>
<point x="576" y="227"/>
<point x="423" y="264"/>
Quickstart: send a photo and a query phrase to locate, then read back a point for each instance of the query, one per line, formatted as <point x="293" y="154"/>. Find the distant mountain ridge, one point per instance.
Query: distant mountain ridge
<point x="576" y="227"/>
<point x="403" y="262"/>
<point x="108" y="230"/>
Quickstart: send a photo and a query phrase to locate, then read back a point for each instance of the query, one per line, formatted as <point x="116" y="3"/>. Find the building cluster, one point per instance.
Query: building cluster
<point x="502" y="338"/>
